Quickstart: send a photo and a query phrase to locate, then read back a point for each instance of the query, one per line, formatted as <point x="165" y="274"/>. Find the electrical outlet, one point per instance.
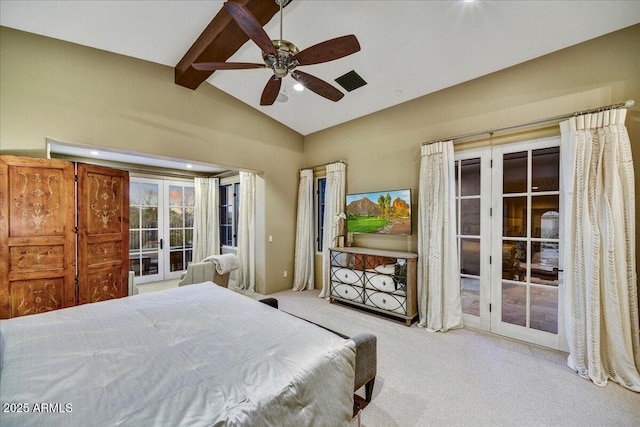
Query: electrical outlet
<point x="285" y="273"/>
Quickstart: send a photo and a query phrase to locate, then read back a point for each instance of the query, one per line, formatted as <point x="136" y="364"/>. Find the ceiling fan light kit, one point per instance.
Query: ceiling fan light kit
<point x="282" y="56"/>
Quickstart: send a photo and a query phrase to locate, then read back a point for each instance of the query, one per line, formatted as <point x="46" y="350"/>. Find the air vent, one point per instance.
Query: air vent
<point x="351" y="81"/>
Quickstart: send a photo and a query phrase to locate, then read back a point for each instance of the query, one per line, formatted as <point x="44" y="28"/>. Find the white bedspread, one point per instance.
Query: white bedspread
<point x="195" y="355"/>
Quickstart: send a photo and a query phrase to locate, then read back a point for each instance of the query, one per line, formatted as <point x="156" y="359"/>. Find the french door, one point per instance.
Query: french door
<point x="509" y="227"/>
<point x="160" y="227"/>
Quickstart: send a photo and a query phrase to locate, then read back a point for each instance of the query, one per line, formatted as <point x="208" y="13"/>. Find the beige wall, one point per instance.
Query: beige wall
<point x="382" y="150"/>
<point x="58" y="90"/>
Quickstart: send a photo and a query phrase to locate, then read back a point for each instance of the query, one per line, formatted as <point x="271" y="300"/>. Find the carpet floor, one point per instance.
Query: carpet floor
<point x="466" y="377"/>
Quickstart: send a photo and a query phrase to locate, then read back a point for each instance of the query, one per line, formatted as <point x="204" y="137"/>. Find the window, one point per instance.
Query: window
<point x="320" y="190"/>
<point x="229" y="208"/>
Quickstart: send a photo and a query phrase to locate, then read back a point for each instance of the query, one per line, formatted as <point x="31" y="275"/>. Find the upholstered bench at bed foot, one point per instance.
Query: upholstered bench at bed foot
<point x="366" y="359"/>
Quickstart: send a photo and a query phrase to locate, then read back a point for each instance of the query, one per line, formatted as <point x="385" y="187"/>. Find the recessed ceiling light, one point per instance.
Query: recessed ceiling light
<point x="95" y="153"/>
<point x="298" y="87"/>
<point x="189" y="166"/>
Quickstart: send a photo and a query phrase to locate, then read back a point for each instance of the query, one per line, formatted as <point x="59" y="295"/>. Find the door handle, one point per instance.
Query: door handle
<point x="161" y="241"/>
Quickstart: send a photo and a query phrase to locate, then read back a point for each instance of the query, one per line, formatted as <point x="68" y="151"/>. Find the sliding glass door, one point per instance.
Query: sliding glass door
<point x="509" y="229"/>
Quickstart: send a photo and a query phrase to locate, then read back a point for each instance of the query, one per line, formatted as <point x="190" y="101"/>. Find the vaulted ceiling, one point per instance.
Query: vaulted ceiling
<point x="409" y="48"/>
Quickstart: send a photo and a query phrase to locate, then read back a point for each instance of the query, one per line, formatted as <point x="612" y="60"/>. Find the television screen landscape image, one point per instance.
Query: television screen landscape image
<point x="379" y="212"/>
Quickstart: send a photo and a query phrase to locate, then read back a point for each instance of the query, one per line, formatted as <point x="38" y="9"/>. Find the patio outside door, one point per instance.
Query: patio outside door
<point x="509" y="227"/>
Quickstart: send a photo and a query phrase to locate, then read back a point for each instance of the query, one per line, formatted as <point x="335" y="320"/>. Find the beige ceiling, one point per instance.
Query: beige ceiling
<point x="409" y="48"/>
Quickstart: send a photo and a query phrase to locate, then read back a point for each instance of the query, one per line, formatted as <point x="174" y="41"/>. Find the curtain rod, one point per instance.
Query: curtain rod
<point x="323" y="164"/>
<point x="627" y="104"/>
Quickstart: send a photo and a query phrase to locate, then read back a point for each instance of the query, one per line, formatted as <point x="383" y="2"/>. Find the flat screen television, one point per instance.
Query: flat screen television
<point x="379" y="212"/>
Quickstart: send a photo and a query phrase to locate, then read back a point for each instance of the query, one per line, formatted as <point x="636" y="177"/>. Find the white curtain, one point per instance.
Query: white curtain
<point x="206" y="227"/>
<point x="599" y="252"/>
<point x="304" y="250"/>
<point x="334" y="200"/>
<point x="246" y="274"/>
<point x="439" y="306"/>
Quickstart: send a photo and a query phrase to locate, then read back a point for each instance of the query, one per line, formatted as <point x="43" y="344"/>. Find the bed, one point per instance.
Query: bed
<point x="193" y="355"/>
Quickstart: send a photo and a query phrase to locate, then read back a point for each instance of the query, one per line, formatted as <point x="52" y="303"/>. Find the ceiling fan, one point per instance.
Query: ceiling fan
<point x="283" y="56"/>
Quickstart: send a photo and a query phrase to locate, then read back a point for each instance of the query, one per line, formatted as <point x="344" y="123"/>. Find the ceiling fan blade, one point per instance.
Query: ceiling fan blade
<point x="208" y="66"/>
<point x="250" y="25"/>
<point x="317" y="85"/>
<point x="328" y="50"/>
<point x="271" y="91"/>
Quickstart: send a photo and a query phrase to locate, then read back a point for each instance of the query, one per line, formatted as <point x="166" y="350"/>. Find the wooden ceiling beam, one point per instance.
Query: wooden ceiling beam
<point x="221" y="39"/>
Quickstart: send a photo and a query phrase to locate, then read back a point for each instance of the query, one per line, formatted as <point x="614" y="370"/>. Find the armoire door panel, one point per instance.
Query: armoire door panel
<point x="104" y="252"/>
<point x="104" y="284"/>
<point x="36" y="296"/>
<point x="39" y="200"/>
<point x="103" y="233"/>
<point x="23" y="259"/>
<point x="37" y="241"/>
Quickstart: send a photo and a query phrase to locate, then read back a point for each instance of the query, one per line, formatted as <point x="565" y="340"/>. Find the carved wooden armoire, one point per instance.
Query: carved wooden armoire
<point x="64" y="234"/>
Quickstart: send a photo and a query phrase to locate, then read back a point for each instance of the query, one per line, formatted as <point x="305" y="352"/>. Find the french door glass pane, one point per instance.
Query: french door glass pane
<point x="149" y="263"/>
<point x="134" y="217"/>
<point x="544" y="308"/>
<point x="544" y="263"/>
<point x="149" y="239"/>
<point x="176" y="218"/>
<point x="544" y="169"/>
<point x="470" y="177"/>
<point x="470" y="295"/>
<point x="188" y="217"/>
<point x="189" y="197"/>
<point x="175" y="195"/>
<point x="176" y="261"/>
<point x="134" y="193"/>
<point x="148" y="194"/>
<point x="514" y="216"/>
<point x="470" y="216"/>
<point x="514" y="166"/>
<point x="470" y="256"/>
<point x="149" y="217"/>
<point x="134" y="265"/>
<point x="188" y="237"/>
<point x="134" y="240"/>
<point x="176" y="239"/>
<point x="514" y="304"/>
<point x="514" y="260"/>
<point x="545" y="216"/>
